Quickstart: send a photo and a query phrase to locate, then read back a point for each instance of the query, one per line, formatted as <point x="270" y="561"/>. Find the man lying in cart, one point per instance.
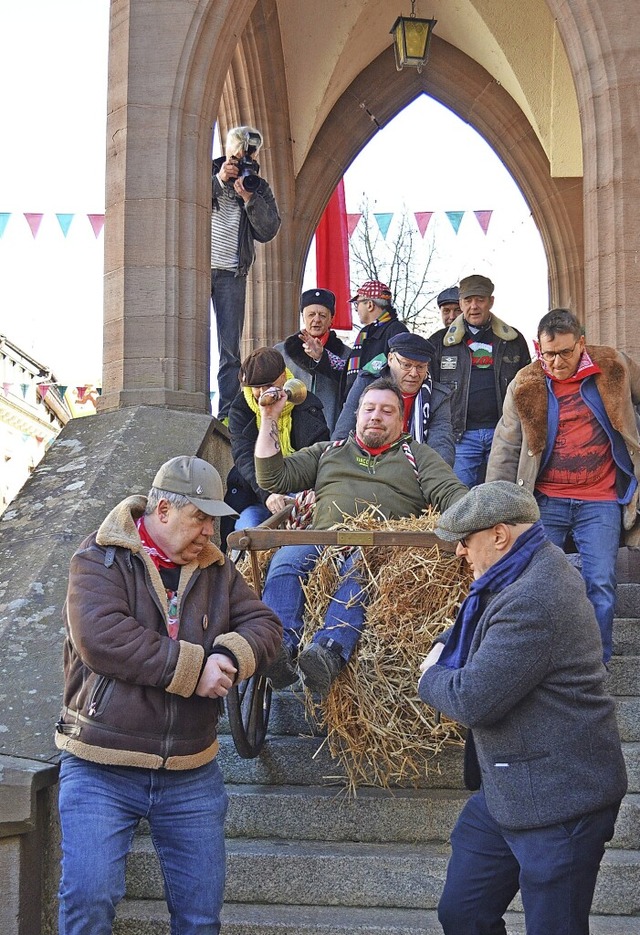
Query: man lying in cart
<point x="379" y="465"/>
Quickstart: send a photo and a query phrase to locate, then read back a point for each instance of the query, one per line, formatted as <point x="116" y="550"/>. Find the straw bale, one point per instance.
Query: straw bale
<point x="376" y="725"/>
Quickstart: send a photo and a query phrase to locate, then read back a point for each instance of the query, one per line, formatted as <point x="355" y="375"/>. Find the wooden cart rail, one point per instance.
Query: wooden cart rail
<point x="249" y="702"/>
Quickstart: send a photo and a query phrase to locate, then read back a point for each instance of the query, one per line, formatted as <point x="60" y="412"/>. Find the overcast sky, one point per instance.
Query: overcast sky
<point x="53" y="70"/>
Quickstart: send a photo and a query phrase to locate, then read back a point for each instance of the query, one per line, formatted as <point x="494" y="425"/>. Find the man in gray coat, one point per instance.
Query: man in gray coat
<point x="522" y="669"/>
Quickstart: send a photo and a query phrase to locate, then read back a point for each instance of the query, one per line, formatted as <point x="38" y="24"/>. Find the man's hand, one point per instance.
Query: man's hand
<point x="217" y="677"/>
<point x="432" y="657"/>
<point x="239" y="189"/>
<point x="271" y="402"/>
<point x="313" y="347"/>
<point x="228" y="170"/>
<point x="276" y="502"/>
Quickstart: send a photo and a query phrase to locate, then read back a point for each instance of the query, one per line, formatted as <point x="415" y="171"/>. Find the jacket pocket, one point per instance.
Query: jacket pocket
<point x="499" y="761"/>
<point x="100" y="696"/>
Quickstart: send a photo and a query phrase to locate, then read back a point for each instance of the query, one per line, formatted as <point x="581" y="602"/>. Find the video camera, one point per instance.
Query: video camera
<point x="248" y="168"/>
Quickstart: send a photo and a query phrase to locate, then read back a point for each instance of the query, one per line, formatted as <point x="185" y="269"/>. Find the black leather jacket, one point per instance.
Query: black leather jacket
<point x="452" y="365"/>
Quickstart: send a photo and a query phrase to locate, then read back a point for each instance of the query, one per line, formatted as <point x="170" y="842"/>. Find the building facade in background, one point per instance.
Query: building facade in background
<point x="30" y="416"/>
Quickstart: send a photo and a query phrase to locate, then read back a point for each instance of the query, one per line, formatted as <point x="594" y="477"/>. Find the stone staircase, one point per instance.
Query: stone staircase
<point x="305" y="859"/>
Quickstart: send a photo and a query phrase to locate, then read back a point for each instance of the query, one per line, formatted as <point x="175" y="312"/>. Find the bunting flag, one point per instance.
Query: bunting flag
<point x="483" y="219"/>
<point x="97" y="223"/>
<point x="352" y="222"/>
<point x="34" y="220"/>
<point x="75" y="396"/>
<point x="384" y="222"/>
<point x="64" y="220"/>
<point x="332" y="256"/>
<point x="455" y="217"/>
<point x="422" y="220"/>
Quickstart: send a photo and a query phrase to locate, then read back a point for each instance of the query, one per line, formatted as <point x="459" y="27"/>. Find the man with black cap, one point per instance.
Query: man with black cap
<point x="478" y="356"/>
<point x="374" y="307"/>
<point x="448" y="302"/>
<point x="159" y="625"/>
<point x="427" y="404"/>
<point x="315" y="354"/>
<point x="522" y="669"/>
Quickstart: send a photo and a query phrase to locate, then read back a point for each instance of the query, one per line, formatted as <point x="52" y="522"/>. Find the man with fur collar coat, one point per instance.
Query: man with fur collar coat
<point x="477" y="356"/>
<point x="159" y="626"/>
<point x="568" y="433"/>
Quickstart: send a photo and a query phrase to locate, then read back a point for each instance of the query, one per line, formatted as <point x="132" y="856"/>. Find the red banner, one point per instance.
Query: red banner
<point x="332" y="256"/>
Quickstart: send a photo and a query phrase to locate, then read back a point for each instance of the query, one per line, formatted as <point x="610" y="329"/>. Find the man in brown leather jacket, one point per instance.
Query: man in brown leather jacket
<point x="159" y="626"/>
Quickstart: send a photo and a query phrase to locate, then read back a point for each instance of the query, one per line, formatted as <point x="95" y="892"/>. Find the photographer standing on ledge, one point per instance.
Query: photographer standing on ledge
<point x="243" y="211"/>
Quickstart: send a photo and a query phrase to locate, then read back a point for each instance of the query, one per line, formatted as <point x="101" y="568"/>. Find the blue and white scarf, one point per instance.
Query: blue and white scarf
<point x="504" y="572"/>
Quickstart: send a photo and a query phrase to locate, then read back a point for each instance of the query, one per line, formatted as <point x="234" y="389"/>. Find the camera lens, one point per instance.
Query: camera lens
<point x="251" y="182"/>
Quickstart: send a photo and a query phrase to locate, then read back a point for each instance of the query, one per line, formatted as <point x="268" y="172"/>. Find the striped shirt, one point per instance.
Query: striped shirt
<point x="225" y="227"/>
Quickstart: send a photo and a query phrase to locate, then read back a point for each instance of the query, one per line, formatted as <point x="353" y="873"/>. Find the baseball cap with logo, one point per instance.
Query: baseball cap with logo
<point x="198" y="481"/>
<point x="372" y="289"/>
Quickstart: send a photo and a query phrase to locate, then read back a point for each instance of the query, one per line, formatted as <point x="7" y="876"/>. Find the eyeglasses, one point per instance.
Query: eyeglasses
<point x="359" y="300"/>
<point x="564" y="354"/>
<point x="407" y="367"/>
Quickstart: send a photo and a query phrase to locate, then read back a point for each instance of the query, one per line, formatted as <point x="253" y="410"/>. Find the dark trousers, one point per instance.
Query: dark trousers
<point x="228" y="293"/>
<point x="555" y="868"/>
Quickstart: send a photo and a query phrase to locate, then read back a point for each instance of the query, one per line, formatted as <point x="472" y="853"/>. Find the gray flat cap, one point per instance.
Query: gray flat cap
<point x="499" y="501"/>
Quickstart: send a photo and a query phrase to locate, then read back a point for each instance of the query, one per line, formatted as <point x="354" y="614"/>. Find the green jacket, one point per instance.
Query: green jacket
<point x="347" y="479"/>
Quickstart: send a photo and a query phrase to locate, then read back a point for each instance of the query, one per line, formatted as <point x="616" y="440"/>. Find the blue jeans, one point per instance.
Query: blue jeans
<point x="283" y="593"/>
<point x="595" y="527"/>
<point x="100" y="807"/>
<point x="472" y="454"/>
<point x="228" y="293"/>
<point x="555" y="868"/>
<point x="252" y="516"/>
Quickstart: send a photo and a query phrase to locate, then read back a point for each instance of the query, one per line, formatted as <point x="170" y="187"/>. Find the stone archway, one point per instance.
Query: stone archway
<point x="372" y="101"/>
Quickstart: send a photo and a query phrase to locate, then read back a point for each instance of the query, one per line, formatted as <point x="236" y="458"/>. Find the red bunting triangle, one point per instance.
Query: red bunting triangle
<point x="352" y="222"/>
<point x="97" y="223"/>
<point x="33" y="220"/>
<point x="43" y="389"/>
<point x="483" y="219"/>
<point x="422" y="220"/>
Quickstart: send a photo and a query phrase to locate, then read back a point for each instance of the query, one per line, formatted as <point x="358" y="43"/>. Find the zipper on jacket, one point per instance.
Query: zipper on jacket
<point x="98" y="694"/>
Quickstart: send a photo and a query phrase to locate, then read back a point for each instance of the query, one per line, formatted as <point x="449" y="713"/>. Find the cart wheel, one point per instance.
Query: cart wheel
<point x="248" y="707"/>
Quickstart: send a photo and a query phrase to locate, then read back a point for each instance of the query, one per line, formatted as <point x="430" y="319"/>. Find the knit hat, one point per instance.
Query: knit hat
<point x="412" y="346"/>
<point x="475" y="285"/>
<point x="372" y="289"/>
<point x="262" y="367"/>
<point x="197" y="480"/>
<point x="484" y="506"/>
<point x="449" y="296"/>
<point x="323" y="297"/>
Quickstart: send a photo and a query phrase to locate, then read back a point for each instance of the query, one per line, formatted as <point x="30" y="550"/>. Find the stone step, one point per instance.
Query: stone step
<point x="624" y="676"/>
<point x="626" y="636"/>
<point x="399" y="876"/>
<point x="410" y="816"/>
<point x="320" y="813"/>
<point x="149" y="917"/>
<point x="628" y="600"/>
<point x="303" y="761"/>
